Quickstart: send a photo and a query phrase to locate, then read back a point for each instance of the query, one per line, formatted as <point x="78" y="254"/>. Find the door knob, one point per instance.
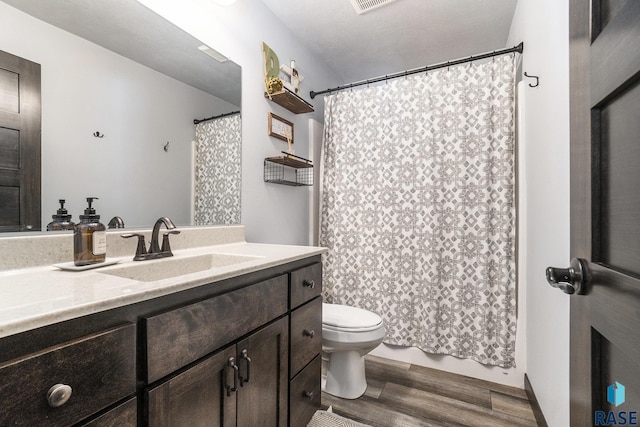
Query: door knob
<point x="570" y="280"/>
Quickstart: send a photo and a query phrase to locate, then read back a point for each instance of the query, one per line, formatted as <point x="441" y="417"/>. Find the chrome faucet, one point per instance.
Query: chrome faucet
<point x="155" y="251"/>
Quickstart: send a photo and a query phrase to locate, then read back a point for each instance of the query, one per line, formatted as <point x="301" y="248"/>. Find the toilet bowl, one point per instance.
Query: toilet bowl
<point x="348" y="334"/>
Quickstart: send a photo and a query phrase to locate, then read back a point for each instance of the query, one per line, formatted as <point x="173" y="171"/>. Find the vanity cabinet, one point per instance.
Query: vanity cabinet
<point x="64" y="384"/>
<point x="246" y="383"/>
<point x="306" y="343"/>
<point x="242" y="351"/>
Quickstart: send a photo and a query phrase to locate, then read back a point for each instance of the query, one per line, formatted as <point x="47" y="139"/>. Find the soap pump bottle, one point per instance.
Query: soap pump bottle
<point x="61" y="220"/>
<point x="89" y="238"/>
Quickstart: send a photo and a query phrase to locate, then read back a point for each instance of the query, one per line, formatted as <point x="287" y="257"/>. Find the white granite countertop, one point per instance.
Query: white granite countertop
<point x="38" y="296"/>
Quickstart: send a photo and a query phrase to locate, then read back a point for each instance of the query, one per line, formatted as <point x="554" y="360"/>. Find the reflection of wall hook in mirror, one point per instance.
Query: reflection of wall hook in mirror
<point x="166" y="147"/>
<point x="98" y="134"/>
<point x="533" y="77"/>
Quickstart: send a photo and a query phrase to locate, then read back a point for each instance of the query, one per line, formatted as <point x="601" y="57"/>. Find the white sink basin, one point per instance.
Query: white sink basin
<point x="165" y="268"/>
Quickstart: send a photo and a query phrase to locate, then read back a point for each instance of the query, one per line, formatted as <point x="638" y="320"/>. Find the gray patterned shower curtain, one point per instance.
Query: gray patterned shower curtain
<point x="418" y="208"/>
<point x="218" y="155"/>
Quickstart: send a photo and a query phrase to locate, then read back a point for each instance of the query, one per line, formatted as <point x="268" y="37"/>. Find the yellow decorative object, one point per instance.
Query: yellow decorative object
<point x="271" y="62"/>
<point x="274" y="84"/>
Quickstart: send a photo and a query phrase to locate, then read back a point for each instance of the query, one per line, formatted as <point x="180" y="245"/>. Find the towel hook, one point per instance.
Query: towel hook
<point x="533" y="77"/>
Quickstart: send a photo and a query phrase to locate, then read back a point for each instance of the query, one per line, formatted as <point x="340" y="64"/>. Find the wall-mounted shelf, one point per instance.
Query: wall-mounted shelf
<point x="289" y="100"/>
<point x="288" y="170"/>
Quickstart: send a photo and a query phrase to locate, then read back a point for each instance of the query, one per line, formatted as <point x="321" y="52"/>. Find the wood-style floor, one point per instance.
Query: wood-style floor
<point x="405" y="395"/>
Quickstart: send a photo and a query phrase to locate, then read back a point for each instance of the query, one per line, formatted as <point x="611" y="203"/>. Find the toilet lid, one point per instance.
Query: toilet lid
<point x="345" y="317"/>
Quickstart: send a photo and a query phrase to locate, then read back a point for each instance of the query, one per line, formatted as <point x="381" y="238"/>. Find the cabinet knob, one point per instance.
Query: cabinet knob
<point x="308" y="394"/>
<point x="308" y="333"/>
<point x="309" y="284"/>
<point x="58" y="395"/>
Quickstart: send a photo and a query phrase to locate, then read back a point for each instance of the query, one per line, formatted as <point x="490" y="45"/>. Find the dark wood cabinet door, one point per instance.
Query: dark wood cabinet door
<point x="605" y="201"/>
<point x="20" y="125"/>
<point x="263" y="400"/>
<point x="198" y="397"/>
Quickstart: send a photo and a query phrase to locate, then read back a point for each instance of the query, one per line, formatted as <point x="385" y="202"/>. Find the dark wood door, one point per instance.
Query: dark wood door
<point x="19" y="144"/>
<point x="198" y="397"/>
<point x="605" y="209"/>
<point x="263" y="400"/>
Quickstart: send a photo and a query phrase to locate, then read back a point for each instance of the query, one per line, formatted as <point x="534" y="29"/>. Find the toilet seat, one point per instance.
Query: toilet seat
<point x="344" y="318"/>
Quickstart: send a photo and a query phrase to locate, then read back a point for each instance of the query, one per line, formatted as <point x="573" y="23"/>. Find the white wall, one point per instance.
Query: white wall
<point x="86" y="88"/>
<point x="271" y="213"/>
<point x="543" y="25"/>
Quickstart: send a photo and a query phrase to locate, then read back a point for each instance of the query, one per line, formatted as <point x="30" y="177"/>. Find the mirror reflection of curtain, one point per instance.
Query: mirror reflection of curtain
<point x="217" y="171"/>
<point x="418" y="208"/>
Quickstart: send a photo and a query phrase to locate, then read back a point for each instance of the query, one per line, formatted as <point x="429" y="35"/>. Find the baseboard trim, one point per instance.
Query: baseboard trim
<point x="537" y="411"/>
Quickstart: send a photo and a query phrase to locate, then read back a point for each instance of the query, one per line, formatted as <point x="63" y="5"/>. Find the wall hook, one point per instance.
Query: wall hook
<point x="166" y="147"/>
<point x="98" y="134"/>
<point x="533" y="77"/>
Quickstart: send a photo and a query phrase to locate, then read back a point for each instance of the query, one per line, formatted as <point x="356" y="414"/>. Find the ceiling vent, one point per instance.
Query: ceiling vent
<point x="363" y="6"/>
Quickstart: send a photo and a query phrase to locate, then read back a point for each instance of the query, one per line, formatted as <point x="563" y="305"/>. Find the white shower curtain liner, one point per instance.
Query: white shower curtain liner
<point x="418" y="208"/>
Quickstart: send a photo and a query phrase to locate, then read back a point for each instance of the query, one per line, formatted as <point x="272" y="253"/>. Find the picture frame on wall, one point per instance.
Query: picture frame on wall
<point x="280" y="128"/>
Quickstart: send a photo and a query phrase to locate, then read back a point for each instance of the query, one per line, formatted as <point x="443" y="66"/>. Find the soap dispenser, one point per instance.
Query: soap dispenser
<point x="89" y="238"/>
<point x="61" y="220"/>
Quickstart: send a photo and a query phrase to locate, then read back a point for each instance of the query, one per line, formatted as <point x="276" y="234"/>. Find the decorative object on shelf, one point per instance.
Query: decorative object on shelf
<point x="293" y="76"/>
<point x="271" y="62"/>
<point x="280" y="128"/>
<point x="278" y="90"/>
<point x="288" y="170"/>
<point x="274" y="84"/>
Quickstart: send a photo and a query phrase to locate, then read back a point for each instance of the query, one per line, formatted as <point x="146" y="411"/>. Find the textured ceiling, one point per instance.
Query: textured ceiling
<point x="402" y="35"/>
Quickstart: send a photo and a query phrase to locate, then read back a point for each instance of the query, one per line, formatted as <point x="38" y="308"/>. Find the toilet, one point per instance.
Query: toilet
<point x="348" y="334"/>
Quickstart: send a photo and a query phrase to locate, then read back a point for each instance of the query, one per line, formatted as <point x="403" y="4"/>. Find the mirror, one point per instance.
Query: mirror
<point x="121" y="88"/>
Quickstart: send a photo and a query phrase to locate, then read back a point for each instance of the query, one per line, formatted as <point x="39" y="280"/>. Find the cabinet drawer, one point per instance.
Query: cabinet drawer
<point x="100" y="369"/>
<point x="179" y="337"/>
<point x="304" y="393"/>
<point x="306" y="284"/>
<point x="306" y="334"/>
<point x="124" y="415"/>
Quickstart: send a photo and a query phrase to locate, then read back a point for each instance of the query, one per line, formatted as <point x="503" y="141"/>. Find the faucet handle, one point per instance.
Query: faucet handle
<point x="165" y="241"/>
<point x="141" y="249"/>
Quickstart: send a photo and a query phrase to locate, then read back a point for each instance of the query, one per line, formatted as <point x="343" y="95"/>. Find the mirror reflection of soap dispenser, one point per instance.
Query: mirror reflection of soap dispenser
<point x="61" y="220"/>
<point x="89" y="238"/>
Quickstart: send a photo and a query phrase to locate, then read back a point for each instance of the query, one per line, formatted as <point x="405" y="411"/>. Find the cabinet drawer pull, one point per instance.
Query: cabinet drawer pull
<point x="58" y="395"/>
<point x="308" y="394"/>
<point x="246" y="358"/>
<point x="231" y="363"/>
<point x="309" y="283"/>
<point x="308" y="333"/>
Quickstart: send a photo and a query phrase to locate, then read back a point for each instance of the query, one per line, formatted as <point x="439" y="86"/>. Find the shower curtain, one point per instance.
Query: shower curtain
<point x="217" y="169"/>
<point x="418" y="208"/>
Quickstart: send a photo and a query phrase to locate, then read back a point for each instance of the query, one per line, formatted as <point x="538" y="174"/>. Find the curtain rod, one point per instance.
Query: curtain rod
<point x="196" y="121"/>
<point x="519" y="48"/>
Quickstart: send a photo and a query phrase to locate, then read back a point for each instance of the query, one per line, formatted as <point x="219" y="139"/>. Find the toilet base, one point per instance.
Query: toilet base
<point x="345" y="375"/>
